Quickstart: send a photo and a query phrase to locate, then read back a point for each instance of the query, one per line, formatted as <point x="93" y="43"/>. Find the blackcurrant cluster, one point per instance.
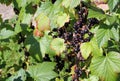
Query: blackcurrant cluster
<point x="79" y="33"/>
<point x="46" y="58"/>
<point x="26" y="60"/>
<point x="21" y="38"/>
<point x="53" y="1"/>
<point x="78" y="73"/>
<point x="60" y="63"/>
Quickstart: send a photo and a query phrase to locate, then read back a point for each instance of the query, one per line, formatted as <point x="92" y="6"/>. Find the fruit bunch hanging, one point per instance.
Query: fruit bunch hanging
<point x="74" y="36"/>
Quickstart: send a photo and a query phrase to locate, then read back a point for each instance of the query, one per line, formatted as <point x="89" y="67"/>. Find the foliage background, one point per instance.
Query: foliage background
<point x="23" y="47"/>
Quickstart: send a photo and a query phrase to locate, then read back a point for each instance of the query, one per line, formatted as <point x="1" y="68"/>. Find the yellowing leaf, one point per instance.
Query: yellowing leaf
<point x="86" y="49"/>
<point x="43" y="22"/>
<point x="74" y="3"/>
<point x="90" y="48"/>
<point x="66" y="3"/>
<point x="73" y="70"/>
<point x="36" y="32"/>
<point x="59" y="79"/>
<point x="62" y="18"/>
<point x="58" y="45"/>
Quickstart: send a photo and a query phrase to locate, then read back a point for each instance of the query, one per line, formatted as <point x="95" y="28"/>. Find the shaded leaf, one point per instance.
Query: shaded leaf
<point x="19" y="76"/>
<point x="33" y="46"/>
<point x="1" y="18"/>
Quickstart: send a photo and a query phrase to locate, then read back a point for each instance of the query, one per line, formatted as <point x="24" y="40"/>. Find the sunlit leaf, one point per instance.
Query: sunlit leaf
<point x="103" y="35"/>
<point x="96" y="14"/>
<point x="58" y="45"/>
<point x="45" y="45"/>
<point x="74" y="3"/>
<point x="115" y="33"/>
<point x="96" y="50"/>
<point x="42" y="72"/>
<point x="86" y="49"/>
<point x="62" y="18"/>
<point x="107" y="66"/>
<point x="112" y="4"/>
<point x="90" y="48"/>
<point x="92" y="78"/>
<point x="66" y="3"/>
<point x="70" y="3"/>
<point x="6" y="33"/>
<point x="21" y="3"/>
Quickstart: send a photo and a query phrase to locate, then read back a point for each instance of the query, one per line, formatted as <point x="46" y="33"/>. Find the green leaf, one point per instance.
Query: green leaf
<point x="7" y="2"/>
<point x="58" y="45"/>
<point x="42" y="22"/>
<point x="90" y="48"/>
<point x="20" y="18"/>
<point x="92" y="78"/>
<point x="112" y="4"/>
<point x="1" y="18"/>
<point x="66" y="3"/>
<point x="46" y="8"/>
<point x="56" y="13"/>
<point x="12" y="52"/>
<point x="70" y="3"/>
<point x="42" y="72"/>
<point x="96" y="14"/>
<point x="86" y="49"/>
<point x="6" y="33"/>
<point x="18" y="76"/>
<point x="96" y="51"/>
<point x="115" y="33"/>
<point x="106" y="67"/>
<point x="33" y="46"/>
<point x="26" y="18"/>
<point x="103" y="35"/>
<point x="111" y="19"/>
<point x="74" y="3"/>
<point x="45" y="45"/>
<point x="114" y="60"/>
<point x="21" y="3"/>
